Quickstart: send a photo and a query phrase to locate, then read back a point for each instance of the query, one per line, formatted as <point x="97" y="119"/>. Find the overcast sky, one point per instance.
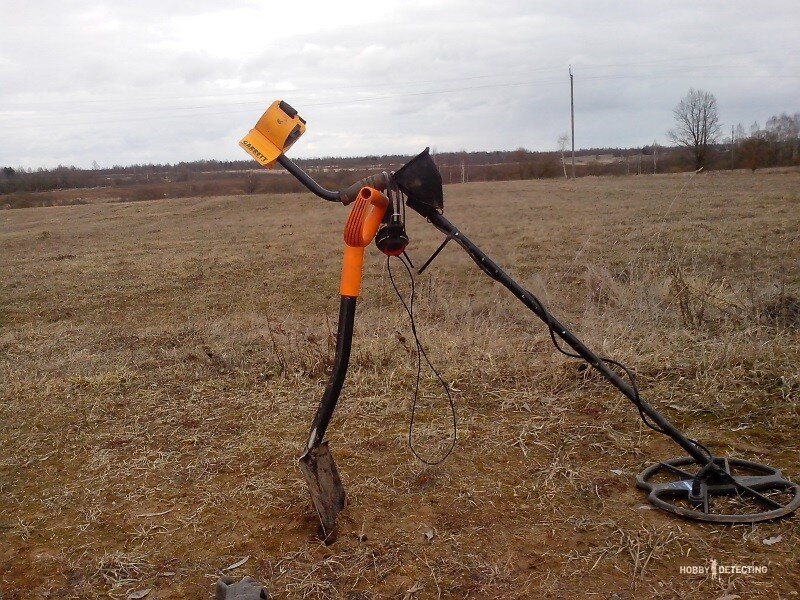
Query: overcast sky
<point x="164" y="81"/>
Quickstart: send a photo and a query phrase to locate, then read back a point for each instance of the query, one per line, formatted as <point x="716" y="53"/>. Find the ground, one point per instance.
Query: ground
<point x="160" y="363"/>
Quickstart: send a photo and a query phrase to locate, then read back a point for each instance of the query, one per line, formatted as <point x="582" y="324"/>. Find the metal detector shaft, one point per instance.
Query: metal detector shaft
<point x="379" y="181"/>
<point x="489" y="267"/>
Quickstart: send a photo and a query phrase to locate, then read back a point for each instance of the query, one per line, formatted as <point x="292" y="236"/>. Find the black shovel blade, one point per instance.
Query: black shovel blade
<point x="325" y="487"/>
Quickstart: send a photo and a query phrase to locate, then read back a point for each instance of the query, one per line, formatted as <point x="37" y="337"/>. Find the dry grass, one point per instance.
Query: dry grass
<point x="161" y="361"/>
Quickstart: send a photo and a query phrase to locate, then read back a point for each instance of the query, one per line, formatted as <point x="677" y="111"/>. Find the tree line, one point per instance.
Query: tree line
<point x="698" y="130"/>
<point x="697" y="140"/>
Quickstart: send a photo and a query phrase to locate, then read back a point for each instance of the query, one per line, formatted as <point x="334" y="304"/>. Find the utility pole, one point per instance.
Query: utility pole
<point x="732" y="146"/>
<point x="463" y="171"/>
<point x="572" y="118"/>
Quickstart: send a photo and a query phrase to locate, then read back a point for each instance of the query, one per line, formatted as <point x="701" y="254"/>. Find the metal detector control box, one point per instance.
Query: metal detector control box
<point x="277" y="129"/>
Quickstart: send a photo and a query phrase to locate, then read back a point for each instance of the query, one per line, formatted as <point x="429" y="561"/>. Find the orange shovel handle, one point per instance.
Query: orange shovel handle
<point x="359" y="230"/>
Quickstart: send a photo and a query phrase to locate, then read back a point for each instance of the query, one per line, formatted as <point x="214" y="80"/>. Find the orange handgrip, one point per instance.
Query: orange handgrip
<point x="359" y="229"/>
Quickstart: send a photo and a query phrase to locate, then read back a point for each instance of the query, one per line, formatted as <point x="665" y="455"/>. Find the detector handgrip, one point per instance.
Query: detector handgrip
<point x="379" y="182"/>
<point x="360" y="228"/>
<point x="365" y="217"/>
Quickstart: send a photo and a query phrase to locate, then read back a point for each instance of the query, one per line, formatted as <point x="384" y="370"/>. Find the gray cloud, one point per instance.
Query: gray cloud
<point x="167" y="81"/>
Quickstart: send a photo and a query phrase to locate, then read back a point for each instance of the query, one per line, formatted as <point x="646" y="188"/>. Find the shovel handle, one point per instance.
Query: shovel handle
<point x="360" y="228"/>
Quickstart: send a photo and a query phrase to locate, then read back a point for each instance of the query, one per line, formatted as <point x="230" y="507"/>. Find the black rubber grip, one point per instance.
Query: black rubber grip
<point x="287" y="109"/>
<point x="379" y="181"/>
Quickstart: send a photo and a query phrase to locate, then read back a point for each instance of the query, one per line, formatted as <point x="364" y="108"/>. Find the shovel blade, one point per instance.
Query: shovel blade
<point x="325" y="487"/>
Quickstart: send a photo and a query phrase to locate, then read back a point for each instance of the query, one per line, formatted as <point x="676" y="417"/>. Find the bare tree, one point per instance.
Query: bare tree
<point x="562" y="146"/>
<point x="784" y="131"/>
<point x="697" y="124"/>
<point x="740" y="132"/>
<point x="753" y="152"/>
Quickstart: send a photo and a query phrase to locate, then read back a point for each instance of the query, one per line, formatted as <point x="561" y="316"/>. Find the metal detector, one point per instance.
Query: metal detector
<point x="698" y="486"/>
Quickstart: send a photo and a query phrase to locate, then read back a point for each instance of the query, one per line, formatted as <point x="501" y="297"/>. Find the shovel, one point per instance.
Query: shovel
<point x="316" y="463"/>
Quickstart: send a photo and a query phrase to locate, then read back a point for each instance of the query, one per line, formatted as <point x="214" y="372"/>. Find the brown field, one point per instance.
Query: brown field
<point x="160" y="363"/>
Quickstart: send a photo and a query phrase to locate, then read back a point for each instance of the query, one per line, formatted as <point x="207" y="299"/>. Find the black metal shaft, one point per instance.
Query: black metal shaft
<point x="379" y="181"/>
<point x="495" y="272"/>
<point x="304" y="178"/>
<point x="344" y="338"/>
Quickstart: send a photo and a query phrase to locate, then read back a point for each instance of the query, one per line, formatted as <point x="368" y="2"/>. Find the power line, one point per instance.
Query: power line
<point x="395" y="84"/>
<point x="305" y="105"/>
<point x="282" y="90"/>
<point x="668" y="74"/>
<point x="40" y="123"/>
